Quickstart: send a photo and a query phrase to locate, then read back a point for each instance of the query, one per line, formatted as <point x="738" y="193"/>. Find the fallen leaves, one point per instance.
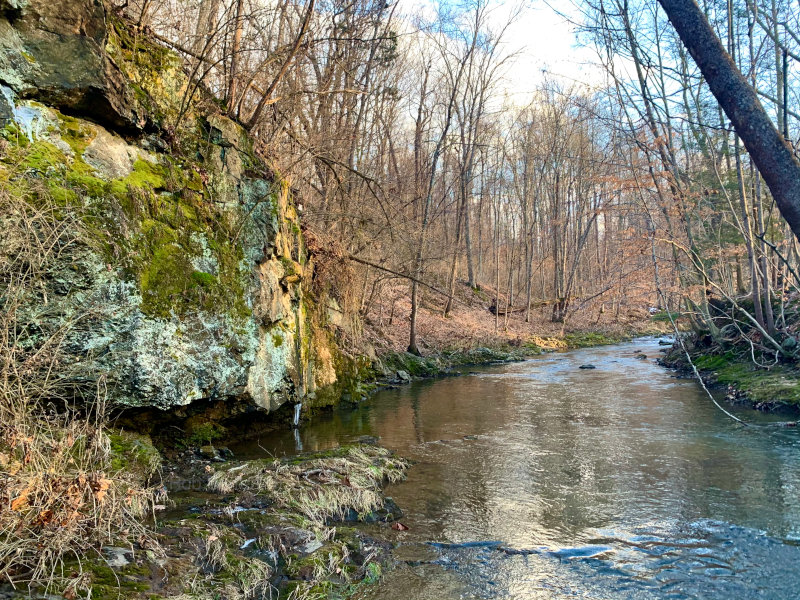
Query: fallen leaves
<point x="21" y="501"/>
<point x="101" y="488"/>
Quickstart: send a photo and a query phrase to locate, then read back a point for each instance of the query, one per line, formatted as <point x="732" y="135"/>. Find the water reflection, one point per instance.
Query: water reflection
<point x="551" y="460"/>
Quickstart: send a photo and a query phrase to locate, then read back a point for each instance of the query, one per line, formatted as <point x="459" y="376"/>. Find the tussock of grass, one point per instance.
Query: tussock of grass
<point x="321" y="489"/>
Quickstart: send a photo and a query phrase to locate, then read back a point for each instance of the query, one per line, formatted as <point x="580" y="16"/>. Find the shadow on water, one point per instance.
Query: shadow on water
<point x="543" y="480"/>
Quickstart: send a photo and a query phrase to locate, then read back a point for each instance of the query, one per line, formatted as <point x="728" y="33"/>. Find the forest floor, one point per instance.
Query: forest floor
<point x="472" y="324"/>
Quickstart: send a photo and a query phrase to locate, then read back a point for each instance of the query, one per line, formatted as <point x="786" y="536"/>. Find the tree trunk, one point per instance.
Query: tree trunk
<point x="234" y="73"/>
<point x="206" y="26"/>
<point x="771" y="154"/>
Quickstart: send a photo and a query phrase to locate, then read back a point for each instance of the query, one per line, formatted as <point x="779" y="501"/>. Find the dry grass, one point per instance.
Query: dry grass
<point x="61" y="499"/>
<point x="322" y="489"/>
<point x="246" y="579"/>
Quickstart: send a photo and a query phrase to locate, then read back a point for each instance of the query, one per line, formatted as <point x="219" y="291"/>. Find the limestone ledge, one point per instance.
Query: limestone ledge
<point x="190" y="278"/>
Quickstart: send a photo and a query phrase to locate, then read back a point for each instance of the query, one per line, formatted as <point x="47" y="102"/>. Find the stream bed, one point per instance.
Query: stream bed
<point x="540" y="479"/>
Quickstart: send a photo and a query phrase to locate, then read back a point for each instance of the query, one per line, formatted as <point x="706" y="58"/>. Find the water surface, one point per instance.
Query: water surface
<point x="542" y="480"/>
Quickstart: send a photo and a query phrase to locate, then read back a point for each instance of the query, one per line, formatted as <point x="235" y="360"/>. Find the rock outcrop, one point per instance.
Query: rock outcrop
<point x="189" y="278"/>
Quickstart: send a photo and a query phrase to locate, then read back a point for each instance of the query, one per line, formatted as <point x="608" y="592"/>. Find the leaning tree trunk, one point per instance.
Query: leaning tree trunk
<point x="770" y="152"/>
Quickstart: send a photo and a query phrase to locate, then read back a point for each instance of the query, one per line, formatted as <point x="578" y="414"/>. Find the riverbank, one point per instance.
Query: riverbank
<point x="767" y="387"/>
<point x="401" y="367"/>
<point x="205" y="426"/>
<point x="257" y="529"/>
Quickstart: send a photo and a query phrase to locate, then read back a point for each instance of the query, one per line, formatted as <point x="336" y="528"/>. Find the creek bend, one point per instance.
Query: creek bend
<point x="542" y="480"/>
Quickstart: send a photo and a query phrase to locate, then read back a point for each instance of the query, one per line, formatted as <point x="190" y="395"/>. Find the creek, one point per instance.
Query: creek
<point x="543" y="480"/>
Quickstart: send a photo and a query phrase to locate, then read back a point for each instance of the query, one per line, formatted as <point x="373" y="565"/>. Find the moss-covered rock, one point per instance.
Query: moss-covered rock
<point x="134" y="453"/>
<point x="56" y="52"/>
<point x="190" y="272"/>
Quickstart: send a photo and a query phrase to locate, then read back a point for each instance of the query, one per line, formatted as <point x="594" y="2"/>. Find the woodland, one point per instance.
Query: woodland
<point x="588" y="202"/>
<point x="259" y="209"/>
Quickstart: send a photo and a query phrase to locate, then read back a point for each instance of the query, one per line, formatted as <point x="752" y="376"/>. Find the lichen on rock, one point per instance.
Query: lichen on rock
<point x="192" y="279"/>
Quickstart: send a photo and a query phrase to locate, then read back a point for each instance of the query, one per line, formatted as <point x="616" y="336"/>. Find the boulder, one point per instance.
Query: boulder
<point x="55" y="52"/>
<point x="194" y="269"/>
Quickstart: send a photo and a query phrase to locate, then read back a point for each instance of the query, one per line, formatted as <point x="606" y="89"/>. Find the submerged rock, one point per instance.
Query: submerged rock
<point x="371" y="440"/>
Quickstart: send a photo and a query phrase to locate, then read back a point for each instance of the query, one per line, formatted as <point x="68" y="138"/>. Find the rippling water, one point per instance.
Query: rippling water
<point x="542" y="480"/>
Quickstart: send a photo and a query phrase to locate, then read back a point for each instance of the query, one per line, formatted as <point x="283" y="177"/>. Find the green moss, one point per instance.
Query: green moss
<point x="168" y="281"/>
<point x="712" y="362"/>
<point x="778" y="385"/>
<point x="75" y="133"/>
<point x="145" y="176"/>
<point x="532" y="349"/>
<point x="153" y="71"/>
<point x="353" y="375"/>
<point x="200" y="432"/>
<point x="416" y="366"/>
<point x="42" y="156"/>
<point x="664" y="317"/>
<point x="134" y="453"/>
<point x="289" y="266"/>
<point x="167" y="275"/>
<point x="372" y="573"/>
<point x="588" y="339"/>
<point x="12" y="134"/>
<point x="109" y="584"/>
<point x="206" y="280"/>
<point x="146" y="223"/>
<point x="91" y="185"/>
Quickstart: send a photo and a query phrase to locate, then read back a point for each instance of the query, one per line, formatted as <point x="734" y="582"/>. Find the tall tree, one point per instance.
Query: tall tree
<point x="770" y="152"/>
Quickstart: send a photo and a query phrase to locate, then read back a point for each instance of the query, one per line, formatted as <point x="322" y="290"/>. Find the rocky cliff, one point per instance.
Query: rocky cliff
<point x="188" y="277"/>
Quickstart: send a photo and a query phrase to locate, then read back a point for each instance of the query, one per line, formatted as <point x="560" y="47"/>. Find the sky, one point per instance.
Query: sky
<point x="546" y="44"/>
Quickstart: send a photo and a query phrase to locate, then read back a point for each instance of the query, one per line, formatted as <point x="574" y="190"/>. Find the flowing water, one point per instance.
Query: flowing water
<point x="542" y="480"/>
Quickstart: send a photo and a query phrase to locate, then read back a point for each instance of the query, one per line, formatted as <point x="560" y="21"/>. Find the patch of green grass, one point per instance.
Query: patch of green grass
<point x="664" y="317"/>
<point x="778" y="385"/>
<point x="588" y="339"/>
<point x="532" y="349"/>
